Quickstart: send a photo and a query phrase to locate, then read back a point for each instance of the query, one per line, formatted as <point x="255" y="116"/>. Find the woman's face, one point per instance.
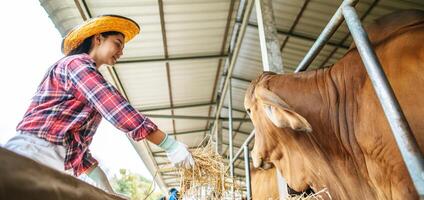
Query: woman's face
<point x="107" y="50"/>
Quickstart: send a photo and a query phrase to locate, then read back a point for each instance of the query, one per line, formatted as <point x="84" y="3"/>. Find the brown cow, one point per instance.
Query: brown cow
<point x="326" y="129"/>
<point x="23" y="178"/>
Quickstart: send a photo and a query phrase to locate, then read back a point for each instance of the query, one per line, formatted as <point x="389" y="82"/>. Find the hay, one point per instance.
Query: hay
<point x="209" y="178"/>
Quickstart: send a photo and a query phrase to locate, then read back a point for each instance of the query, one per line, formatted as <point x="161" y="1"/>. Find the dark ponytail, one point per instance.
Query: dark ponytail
<point x="85" y="46"/>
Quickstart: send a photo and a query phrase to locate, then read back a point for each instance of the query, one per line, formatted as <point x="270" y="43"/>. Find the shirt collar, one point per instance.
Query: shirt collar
<point x="87" y="57"/>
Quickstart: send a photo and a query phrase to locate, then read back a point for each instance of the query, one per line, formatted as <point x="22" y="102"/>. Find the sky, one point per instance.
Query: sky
<point x="30" y="44"/>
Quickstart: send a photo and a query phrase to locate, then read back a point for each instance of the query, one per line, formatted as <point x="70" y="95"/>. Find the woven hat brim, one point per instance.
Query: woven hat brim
<point x="99" y="25"/>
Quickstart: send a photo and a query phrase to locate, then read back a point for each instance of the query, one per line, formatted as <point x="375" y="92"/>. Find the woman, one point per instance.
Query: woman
<point x="71" y="100"/>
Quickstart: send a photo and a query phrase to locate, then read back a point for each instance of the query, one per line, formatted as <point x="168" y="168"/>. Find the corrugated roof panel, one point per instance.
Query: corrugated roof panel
<point x="247" y="127"/>
<point x="192" y="81"/>
<point x="185" y="15"/>
<point x="164" y="124"/>
<point x="249" y="62"/>
<point x="145" y="84"/>
<point x="236" y="141"/>
<point x="404" y="4"/>
<point x="64" y="14"/>
<point x="285" y="12"/>
<point x="319" y="12"/>
<point x="188" y="125"/>
<point x="148" y="43"/>
<point x="192" y="140"/>
<point x="237" y="96"/>
<point x="296" y="49"/>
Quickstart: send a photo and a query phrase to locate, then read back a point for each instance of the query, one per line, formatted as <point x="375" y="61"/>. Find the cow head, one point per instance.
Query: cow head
<point x="274" y="121"/>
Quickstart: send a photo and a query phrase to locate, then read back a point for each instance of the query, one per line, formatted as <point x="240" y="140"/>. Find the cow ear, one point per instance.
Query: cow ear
<point x="279" y="112"/>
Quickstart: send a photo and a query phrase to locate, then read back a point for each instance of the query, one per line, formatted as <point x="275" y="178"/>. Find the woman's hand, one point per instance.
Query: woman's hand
<point x="177" y="152"/>
<point x="180" y="156"/>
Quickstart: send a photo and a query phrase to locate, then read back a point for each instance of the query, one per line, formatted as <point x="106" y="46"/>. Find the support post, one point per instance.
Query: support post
<point x="270" y="45"/>
<point x="247" y="171"/>
<point x="219" y="138"/>
<point x="401" y="130"/>
<point x="271" y="55"/>
<point x="230" y="132"/>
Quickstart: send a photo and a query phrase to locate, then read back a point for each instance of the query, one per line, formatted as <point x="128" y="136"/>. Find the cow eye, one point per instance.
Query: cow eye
<point x="248" y="111"/>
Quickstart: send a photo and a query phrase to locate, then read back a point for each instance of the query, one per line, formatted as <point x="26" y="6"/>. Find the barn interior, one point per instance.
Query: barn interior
<point x="190" y="67"/>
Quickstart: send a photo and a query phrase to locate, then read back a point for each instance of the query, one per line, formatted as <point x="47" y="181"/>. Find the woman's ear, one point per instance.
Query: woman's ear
<point x="97" y="39"/>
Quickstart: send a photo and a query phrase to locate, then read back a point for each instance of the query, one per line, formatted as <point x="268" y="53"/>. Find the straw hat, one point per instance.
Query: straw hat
<point x="104" y="23"/>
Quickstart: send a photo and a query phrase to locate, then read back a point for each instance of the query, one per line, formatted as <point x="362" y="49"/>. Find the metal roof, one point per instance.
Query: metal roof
<point x="175" y="67"/>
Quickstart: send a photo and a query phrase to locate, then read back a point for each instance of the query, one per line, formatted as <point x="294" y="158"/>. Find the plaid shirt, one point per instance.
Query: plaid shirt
<point x="68" y="107"/>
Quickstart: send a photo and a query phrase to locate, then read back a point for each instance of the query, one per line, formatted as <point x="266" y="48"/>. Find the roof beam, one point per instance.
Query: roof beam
<point x="190" y="132"/>
<point x="234" y="109"/>
<point x="86" y="8"/>
<point x="299" y="36"/>
<point x="193" y="117"/>
<point x="169" y="59"/>
<point x="177" y="107"/>
<point x="237" y="131"/>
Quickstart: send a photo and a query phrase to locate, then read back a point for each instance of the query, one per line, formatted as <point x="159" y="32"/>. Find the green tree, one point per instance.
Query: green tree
<point x="134" y="186"/>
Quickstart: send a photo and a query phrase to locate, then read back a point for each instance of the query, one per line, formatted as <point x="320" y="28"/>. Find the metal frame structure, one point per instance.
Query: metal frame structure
<point x="400" y="128"/>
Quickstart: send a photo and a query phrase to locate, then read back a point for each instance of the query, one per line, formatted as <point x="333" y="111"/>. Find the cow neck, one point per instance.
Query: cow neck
<point x="320" y="97"/>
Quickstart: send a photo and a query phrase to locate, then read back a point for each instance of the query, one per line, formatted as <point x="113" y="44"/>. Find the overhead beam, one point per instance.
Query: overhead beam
<point x="189" y="132"/>
<point x="169" y="59"/>
<point x="193" y="117"/>
<point x="234" y="109"/>
<point x="177" y="107"/>
<point x="238" y="131"/>
<point x="300" y="36"/>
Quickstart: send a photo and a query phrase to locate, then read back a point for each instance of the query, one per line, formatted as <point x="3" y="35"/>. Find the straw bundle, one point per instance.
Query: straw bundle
<point x="208" y="179"/>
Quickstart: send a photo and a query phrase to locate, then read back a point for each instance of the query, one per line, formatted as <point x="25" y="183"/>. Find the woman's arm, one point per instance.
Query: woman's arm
<point x="156" y="137"/>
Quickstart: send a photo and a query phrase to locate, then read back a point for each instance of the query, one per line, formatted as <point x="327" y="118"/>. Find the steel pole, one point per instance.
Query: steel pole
<point x="230" y="132"/>
<point x="401" y="130"/>
<point x="247" y="171"/>
<point x="233" y="58"/>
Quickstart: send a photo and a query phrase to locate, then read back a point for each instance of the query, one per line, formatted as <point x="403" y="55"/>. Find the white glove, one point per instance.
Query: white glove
<point x="180" y="156"/>
<point x="177" y="153"/>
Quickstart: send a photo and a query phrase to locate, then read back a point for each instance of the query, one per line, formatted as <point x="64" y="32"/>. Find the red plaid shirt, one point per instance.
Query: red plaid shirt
<point x="68" y="107"/>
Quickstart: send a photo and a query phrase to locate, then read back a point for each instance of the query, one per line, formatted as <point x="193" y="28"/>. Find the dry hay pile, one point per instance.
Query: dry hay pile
<point x="208" y="179"/>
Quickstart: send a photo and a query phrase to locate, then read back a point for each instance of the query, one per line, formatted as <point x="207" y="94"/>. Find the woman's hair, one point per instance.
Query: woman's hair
<point x="84" y="47"/>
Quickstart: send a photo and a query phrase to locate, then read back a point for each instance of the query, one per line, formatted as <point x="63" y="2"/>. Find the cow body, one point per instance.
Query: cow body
<point x="326" y="129"/>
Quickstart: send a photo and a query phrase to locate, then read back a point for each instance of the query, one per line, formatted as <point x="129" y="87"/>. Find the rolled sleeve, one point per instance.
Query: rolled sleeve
<point x="85" y="78"/>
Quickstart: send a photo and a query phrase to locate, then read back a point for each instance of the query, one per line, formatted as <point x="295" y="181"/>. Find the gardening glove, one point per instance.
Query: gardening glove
<point x="177" y="152"/>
